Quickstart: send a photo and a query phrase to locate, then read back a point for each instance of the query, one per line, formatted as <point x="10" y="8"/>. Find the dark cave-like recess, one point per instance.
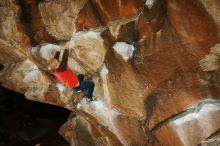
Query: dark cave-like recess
<point x="1" y="67"/>
<point x="28" y="123"/>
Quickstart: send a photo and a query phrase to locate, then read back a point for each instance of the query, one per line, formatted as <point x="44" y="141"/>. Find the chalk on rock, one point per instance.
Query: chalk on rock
<point x="124" y="49"/>
<point x="48" y="51"/>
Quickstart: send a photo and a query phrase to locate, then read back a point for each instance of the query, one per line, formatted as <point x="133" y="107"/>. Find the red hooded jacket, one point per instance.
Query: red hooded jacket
<point x="67" y="77"/>
<point x="63" y="73"/>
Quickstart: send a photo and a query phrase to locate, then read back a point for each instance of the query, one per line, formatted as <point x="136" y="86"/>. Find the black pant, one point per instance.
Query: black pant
<point x="87" y="86"/>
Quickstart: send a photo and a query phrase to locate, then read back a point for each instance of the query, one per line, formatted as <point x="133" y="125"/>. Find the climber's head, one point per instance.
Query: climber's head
<point x="52" y="64"/>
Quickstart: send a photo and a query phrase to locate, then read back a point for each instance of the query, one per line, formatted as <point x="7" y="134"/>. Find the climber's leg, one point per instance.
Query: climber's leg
<point x="88" y="86"/>
<point x="80" y="77"/>
<point x="78" y="88"/>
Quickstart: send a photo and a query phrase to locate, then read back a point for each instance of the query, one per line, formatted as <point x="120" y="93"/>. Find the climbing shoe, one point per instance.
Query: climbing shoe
<point x="90" y="99"/>
<point x="76" y="90"/>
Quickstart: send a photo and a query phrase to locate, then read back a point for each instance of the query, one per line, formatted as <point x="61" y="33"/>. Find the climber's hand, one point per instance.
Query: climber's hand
<point x="63" y="48"/>
<point x="66" y="46"/>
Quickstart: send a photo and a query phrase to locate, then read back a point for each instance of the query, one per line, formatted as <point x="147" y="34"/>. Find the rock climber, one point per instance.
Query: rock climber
<point x="57" y="66"/>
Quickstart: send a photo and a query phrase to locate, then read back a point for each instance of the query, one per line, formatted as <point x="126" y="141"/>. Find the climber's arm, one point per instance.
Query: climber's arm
<point x="63" y="64"/>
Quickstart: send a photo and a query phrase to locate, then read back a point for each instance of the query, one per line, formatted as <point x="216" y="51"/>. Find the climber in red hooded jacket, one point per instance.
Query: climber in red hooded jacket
<point x="64" y="74"/>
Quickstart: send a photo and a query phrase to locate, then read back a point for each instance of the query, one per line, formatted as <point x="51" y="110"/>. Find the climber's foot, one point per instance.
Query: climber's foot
<point x="75" y="90"/>
<point x="90" y="99"/>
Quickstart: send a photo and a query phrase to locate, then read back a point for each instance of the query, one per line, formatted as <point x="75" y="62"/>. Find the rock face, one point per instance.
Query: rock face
<point x="13" y="41"/>
<point x="155" y="64"/>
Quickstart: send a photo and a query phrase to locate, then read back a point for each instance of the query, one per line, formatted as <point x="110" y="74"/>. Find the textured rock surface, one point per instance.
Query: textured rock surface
<point x="13" y="40"/>
<point x="58" y="16"/>
<point x="213" y="140"/>
<point x="155" y="64"/>
<point x="203" y="118"/>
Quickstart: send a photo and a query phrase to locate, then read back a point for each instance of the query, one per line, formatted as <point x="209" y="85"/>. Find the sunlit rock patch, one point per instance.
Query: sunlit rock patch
<point x="124" y="49"/>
